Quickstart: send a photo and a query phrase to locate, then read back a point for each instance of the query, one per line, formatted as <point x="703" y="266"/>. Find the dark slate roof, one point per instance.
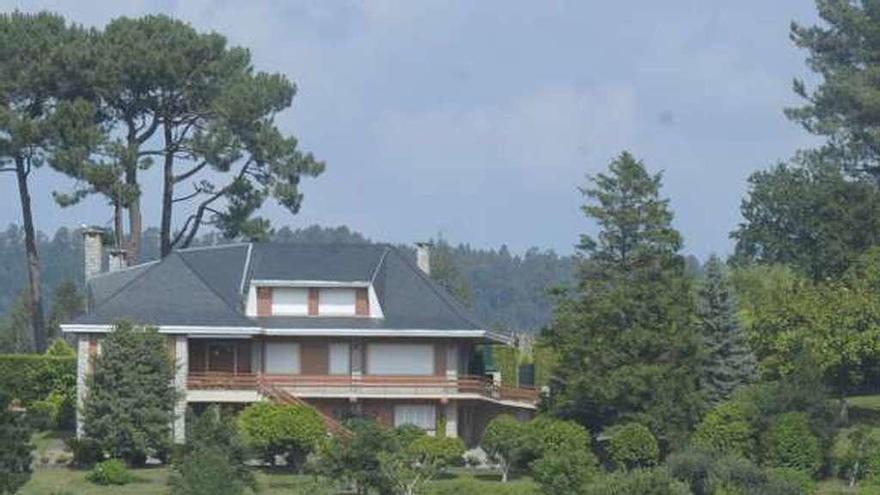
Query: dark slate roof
<point x="207" y="287"/>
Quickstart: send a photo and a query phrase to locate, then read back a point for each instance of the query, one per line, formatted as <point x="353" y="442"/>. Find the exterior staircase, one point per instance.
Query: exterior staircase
<point x="282" y="396"/>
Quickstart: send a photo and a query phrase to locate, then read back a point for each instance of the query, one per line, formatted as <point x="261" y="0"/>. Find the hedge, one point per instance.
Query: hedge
<point x="32" y="377"/>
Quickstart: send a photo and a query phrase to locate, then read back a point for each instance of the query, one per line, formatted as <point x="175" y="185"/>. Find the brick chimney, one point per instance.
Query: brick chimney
<point x="93" y="250"/>
<point x="423" y="257"/>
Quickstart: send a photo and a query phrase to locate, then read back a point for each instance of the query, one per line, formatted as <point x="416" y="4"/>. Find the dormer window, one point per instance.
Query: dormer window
<point x="279" y="300"/>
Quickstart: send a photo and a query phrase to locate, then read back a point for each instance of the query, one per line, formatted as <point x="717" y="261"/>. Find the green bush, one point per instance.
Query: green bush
<point x="110" y="472"/>
<point x="792" y="480"/>
<point x="633" y="446"/>
<point x="86" y="452"/>
<point x="790" y="443"/>
<point x="15" y="448"/>
<point x="57" y="411"/>
<point x="564" y="472"/>
<point x="855" y="455"/>
<point x="206" y="471"/>
<point x="551" y="434"/>
<point x="637" y="481"/>
<point x="694" y="466"/>
<point x="355" y="460"/>
<point x="506" y="442"/>
<point x="32" y="377"/>
<point x="288" y="430"/>
<point x="727" y="430"/>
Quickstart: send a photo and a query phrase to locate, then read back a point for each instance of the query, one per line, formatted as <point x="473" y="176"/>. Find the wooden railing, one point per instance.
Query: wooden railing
<point x="413" y="384"/>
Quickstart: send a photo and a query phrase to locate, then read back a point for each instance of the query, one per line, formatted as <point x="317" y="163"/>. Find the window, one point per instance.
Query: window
<point x="340" y="359"/>
<point x="422" y="415"/>
<point x="290" y="301"/>
<point x="282" y="358"/>
<point x="400" y="359"/>
<point x="336" y="302"/>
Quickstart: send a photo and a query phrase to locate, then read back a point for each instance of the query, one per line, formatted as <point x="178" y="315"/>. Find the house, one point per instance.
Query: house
<point x="348" y="329"/>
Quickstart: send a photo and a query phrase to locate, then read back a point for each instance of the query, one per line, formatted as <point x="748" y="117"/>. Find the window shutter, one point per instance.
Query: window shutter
<point x="264" y="301"/>
<point x="362" y="303"/>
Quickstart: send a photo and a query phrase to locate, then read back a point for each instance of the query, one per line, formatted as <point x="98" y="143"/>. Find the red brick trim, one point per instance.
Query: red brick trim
<point x="264" y="301"/>
<point x="313" y="301"/>
<point x="362" y="302"/>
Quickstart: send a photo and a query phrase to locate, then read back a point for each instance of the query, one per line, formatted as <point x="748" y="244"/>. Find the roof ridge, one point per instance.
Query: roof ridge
<point x="153" y="265"/>
<point x="379" y="264"/>
<point x="124" y="269"/>
<point x="447" y="299"/>
<point x="206" y="284"/>
<point x="212" y="246"/>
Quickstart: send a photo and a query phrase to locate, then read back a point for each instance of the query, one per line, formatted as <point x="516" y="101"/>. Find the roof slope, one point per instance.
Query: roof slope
<point x="207" y="287"/>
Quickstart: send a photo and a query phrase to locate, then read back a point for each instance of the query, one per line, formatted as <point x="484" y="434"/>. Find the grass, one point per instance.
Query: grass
<point x="153" y="481"/>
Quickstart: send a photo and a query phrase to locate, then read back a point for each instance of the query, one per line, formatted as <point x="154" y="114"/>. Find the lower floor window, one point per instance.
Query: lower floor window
<point x="422" y="415"/>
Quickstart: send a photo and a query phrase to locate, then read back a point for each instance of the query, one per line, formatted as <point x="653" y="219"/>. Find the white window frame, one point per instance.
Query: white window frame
<point x="404" y="359"/>
<point x="290" y="301"/>
<point x="422" y="415"/>
<point x="337" y="301"/>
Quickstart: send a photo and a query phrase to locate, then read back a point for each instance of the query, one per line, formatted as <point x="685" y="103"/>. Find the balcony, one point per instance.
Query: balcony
<point x="367" y="386"/>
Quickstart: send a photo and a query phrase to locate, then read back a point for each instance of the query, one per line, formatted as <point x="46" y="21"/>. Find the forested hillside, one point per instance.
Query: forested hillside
<point x="502" y="288"/>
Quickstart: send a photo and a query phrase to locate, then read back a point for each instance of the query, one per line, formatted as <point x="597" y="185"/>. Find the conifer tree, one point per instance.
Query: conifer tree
<point x="15" y="448"/>
<point x="625" y="339"/>
<point x="729" y="362"/>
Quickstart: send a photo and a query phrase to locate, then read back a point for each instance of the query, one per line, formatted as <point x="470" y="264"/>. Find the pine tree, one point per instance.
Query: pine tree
<point x="130" y="405"/>
<point x="729" y="362"/>
<point x="625" y="339"/>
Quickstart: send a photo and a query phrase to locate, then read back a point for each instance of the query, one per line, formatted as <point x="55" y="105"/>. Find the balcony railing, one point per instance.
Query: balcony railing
<point x="318" y="385"/>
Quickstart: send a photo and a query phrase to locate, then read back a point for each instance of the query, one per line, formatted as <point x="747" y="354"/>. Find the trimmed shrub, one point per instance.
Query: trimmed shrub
<point x="633" y="446"/>
<point x="287" y="430"/>
<point x="551" y="434"/>
<point x="790" y="443"/>
<point x="637" y="481"/>
<point x="355" y="460"/>
<point x="110" y="472"/>
<point x="726" y="429"/>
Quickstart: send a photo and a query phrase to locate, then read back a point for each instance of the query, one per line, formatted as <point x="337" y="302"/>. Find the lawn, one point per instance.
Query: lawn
<point x="153" y="481"/>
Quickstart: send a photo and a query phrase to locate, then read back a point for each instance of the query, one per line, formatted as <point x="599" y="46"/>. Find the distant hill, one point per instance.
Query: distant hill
<point x="503" y="289"/>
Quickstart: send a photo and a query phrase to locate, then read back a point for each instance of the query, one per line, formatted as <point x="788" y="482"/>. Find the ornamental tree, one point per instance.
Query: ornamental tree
<point x="506" y="442"/>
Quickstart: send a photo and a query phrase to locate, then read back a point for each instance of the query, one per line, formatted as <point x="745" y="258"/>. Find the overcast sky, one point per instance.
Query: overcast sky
<point x="479" y="119"/>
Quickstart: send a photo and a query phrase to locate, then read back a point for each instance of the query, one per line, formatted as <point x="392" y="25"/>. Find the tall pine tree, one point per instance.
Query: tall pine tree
<point x="626" y="339"/>
<point x="729" y="362"/>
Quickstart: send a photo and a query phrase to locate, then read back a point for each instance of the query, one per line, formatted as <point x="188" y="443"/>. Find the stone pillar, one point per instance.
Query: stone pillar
<point x="181" y="360"/>
<point x="82" y="371"/>
<point x="451" y="414"/>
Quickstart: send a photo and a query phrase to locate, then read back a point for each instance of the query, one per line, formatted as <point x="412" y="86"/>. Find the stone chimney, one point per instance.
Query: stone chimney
<point x="117" y="260"/>
<point x="423" y="257"/>
<point x="92" y="248"/>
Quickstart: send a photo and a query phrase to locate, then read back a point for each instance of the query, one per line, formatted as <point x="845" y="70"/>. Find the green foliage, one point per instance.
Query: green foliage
<point x="15" y="448"/>
<point x="563" y="460"/>
<point x="206" y="471"/>
<point x="855" y="455"/>
<point x="842" y="52"/>
<point x="286" y="430"/>
<point x="787" y="480"/>
<point x="446" y="272"/>
<point x="211" y="434"/>
<point x="808" y="215"/>
<point x="32" y="377"/>
<point x="507" y="362"/>
<point x="790" y="443"/>
<point x="86" y="451"/>
<point x="417" y="459"/>
<point x="356" y="459"/>
<point x="641" y="481"/>
<point x="67" y="303"/>
<point x="727" y="429"/>
<point x="16" y="327"/>
<point x="644" y="366"/>
<point x="708" y="473"/>
<point x="506" y="442"/>
<point x="110" y="472"/>
<point x="633" y="446"/>
<point x="728" y="362"/>
<point x="130" y="406"/>
<point x="470" y="486"/>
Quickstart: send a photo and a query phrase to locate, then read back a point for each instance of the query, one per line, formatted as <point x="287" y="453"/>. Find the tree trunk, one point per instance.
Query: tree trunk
<point x="504" y="470"/>
<point x="35" y="298"/>
<point x="118" y="228"/>
<point x="135" y="225"/>
<point x="167" y="193"/>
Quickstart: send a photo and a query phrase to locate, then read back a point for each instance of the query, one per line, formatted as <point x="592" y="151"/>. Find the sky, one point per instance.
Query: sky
<point x="478" y="121"/>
